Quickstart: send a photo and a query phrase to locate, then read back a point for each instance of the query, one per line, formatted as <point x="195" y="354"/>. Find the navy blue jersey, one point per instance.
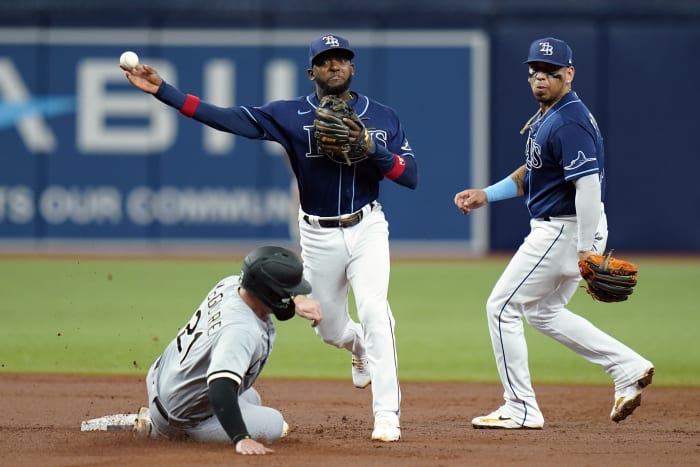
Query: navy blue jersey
<point x="564" y="145"/>
<point x="326" y="188"/>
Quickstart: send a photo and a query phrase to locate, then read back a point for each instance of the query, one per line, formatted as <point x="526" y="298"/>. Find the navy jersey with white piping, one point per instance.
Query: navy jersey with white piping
<point x="564" y="145"/>
<point x="326" y="188"/>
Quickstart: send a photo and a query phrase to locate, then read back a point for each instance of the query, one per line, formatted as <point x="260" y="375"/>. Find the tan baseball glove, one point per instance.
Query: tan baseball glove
<point x="608" y="279"/>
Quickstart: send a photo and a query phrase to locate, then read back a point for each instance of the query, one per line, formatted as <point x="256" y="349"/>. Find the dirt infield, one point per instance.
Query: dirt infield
<point x="331" y="425"/>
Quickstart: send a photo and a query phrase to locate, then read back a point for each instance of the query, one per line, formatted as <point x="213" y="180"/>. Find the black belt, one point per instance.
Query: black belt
<point x="549" y="218"/>
<point x="161" y="409"/>
<point x="175" y="423"/>
<point x="342" y="221"/>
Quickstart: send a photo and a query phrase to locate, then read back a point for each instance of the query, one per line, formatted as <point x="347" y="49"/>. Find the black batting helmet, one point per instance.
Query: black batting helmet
<point x="274" y="275"/>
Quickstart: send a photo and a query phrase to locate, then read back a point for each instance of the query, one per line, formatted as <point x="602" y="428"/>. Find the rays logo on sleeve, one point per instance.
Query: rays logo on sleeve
<point x="579" y="161"/>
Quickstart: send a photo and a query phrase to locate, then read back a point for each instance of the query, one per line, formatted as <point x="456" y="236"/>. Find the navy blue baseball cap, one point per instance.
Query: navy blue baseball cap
<point x="550" y="50"/>
<point x="326" y="43"/>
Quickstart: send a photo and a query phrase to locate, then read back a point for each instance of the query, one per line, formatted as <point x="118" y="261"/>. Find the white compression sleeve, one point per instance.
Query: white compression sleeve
<point x="587" y="210"/>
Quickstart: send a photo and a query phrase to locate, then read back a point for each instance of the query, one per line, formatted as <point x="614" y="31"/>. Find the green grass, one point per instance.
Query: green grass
<point x="116" y="316"/>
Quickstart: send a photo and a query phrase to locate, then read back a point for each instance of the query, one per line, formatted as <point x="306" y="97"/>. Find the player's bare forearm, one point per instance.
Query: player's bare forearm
<point x="518" y="177"/>
<point x="144" y="78"/>
<point x="308" y="308"/>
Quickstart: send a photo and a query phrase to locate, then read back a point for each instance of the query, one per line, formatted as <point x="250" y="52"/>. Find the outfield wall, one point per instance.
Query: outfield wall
<point x="85" y="156"/>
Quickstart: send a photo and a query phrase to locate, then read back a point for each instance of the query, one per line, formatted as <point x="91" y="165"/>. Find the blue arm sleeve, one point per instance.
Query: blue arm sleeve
<point x="401" y="169"/>
<point x="234" y="120"/>
<point x="506" y="188"/>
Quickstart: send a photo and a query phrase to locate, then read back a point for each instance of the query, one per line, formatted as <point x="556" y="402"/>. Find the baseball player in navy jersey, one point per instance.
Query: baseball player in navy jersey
<point x="201" y="387"/>
<point x="344" y="235"/>
<point x="563" y="182"/>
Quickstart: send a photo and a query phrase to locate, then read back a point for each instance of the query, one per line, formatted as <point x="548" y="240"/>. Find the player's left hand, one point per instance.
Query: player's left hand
<point x="357" y="131"/>
<point x="608" y="279"/>
<point x="468" y="200"/>
<point x="249" y="447"/>
<point x="334" y="137"/>
<point x="308" y="308"/>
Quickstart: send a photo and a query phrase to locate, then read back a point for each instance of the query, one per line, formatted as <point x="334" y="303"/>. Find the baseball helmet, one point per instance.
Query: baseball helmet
<point x="274" y="275"/>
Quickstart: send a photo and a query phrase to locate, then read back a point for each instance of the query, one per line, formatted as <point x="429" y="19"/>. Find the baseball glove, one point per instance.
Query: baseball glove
<point x="608" y="279"/>
<point x="333" y="135"/>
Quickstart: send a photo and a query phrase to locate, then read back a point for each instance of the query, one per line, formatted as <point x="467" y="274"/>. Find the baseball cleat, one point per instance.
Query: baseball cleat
<point x="499" y="420"/>
<point x="629" y="398"/>
<point x="115" y="422"/>
<point x="285" y="430"/>
<point x="386" y="428"/>
<point x="360" y="372"/>
<point x="143" y="426"/>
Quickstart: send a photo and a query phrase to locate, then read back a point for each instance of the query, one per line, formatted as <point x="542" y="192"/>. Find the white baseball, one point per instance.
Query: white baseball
<point x="129" y="60"/>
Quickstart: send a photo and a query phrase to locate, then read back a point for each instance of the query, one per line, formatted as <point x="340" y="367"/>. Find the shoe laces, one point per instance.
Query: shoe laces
<point x="358" y="363"/>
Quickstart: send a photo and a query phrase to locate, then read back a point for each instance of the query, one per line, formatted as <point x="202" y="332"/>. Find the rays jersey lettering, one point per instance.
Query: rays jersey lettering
<point x="532" y="153"/>
<point x="336" y="189"/>
<point x="379" y="136"/>
<point x="563" y="147"/>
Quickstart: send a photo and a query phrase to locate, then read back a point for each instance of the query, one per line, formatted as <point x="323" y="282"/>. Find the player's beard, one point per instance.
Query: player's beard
<point x="544" y="100"/>
<point x="334" y="90"/>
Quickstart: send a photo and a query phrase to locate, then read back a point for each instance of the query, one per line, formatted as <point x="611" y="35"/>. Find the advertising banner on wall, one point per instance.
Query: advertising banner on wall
<point x="87" y="157"/>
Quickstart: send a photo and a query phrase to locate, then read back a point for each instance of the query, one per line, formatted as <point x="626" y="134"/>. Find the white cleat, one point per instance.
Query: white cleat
<point x="360" y="372"/>
<point x="143" y="425"/>
<point x="498" y="419"/>
<point x="629" y="398"/>
<point x="285" y="430"/>
<point x="386" y="428"/>
<point x="116" y="422"/>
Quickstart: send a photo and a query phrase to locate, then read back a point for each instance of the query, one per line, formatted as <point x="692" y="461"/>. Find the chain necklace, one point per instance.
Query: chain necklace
<point x="529" y="124"/>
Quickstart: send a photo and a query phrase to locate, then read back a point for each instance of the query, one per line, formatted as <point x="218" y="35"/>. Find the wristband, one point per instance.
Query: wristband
<point x="190" y="106"/>
<point x="240" y="437"/>
<point x="504" y="189"/>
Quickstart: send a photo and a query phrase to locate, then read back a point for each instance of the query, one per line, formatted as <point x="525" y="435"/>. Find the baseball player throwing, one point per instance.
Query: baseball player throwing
<point x="344" y="235"/>
<point x="564" y="187"/>
<point x="201" y="387"/>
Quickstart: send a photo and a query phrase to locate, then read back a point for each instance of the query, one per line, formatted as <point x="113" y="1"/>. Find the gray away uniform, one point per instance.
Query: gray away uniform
<point x="223" y="339"/>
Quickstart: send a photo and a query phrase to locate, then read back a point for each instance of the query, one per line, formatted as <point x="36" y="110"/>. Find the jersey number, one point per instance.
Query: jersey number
<point x="189" y="335"/>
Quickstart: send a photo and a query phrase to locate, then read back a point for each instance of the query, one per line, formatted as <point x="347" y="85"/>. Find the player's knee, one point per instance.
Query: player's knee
<point x="500" y="309"/>
<point x="332" y="342"/>
<point x="331" y="339"/>
<point x="493" y="308"/>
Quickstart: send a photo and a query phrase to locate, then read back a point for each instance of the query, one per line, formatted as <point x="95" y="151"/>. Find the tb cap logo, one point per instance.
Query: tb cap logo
<point x="546" y="48"/>
<point x="550" y="50"/>
<point x="331" y="41"/>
